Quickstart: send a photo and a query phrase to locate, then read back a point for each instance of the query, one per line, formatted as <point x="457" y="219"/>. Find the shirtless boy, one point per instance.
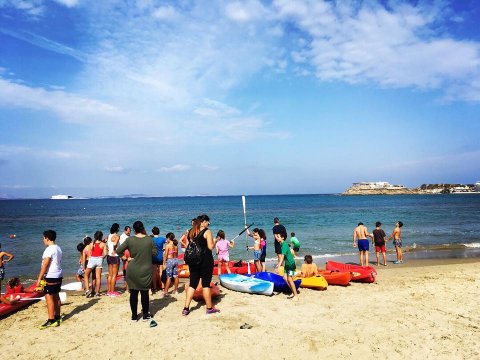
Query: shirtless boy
<point x="397" y="241"/>
<point x="2" y="263"/>
<point x="361" y="233"/>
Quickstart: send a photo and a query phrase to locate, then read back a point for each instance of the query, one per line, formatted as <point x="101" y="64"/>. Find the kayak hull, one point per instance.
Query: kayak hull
<point x="364" y="274"/>
<point x="279" y="283"/>
<point x="7" y="309"/>
<point x="338" y="278"/>
<point x="313" y="282"/>
<point x="198" y="294"/>
<point x="246" y="284"/>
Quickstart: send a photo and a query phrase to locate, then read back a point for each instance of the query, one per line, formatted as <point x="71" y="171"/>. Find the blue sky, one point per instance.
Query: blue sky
<point x="236" y="97"/>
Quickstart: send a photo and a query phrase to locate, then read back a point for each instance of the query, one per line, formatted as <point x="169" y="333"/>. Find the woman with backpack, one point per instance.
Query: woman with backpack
<point x="199" y="258"/>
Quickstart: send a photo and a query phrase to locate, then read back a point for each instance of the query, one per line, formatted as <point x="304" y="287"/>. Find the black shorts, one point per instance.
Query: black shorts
<point x="113" y="260"/>
<point x="263" y="256"/>
<point x="278" y="247"/>
<point x="204" y="272"/>
<point x="296" y="248"/>
<point x="155" y="261"/>
<point x="53" y="286"/>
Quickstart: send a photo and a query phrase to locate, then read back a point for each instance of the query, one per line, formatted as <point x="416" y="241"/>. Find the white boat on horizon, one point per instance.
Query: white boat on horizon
<point x="61" y="197"/>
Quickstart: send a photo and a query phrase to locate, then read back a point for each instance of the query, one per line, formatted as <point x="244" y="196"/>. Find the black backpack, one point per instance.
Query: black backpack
<point x="194" y="253"/>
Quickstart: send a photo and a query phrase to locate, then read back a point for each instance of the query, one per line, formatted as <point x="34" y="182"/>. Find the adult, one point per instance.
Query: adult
<point x="360" y="234"/>
<point x="278" y="229"/>
<point x="397" y="241"/>
<point x="95" y="262"/>
<point x="379" y="238"/>
<point x="202" y="236"/>
<point x="157" y="261"/>
<point x="139" y="274"/>
<point x="113" y="260"/>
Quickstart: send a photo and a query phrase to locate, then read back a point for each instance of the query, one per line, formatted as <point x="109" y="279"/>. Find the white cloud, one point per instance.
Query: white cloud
<point x="117" y="169"/>
<point x="45" y="43"/>
<point x="69" y="107"/>
<point x="245" y="11"/>
<point x="366" y="43"/>
<point x="175" y="168"/>
<point x="168" y="13"/>
<point x="33" y="8"/>
<point x="68" y="3"/>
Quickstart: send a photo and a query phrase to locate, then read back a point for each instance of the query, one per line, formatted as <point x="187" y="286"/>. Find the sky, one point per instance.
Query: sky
<point x="173" y="98"/>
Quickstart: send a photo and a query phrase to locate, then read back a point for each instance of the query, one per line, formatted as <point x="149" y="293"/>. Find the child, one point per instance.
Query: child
<point x="263" y="246"/>
<point x="286" y="258"/>
<point x="2" y="263"/>
<point x="86" y="254"/>
<point x="257" y="250"/>
<point x="397" y="241"/>
<point x="295" y="243"/>
<point x="81" y="269"/>
<point x="51" y="273"/>
<point x="378" y="240"/>
<point x="14" y="286"/>
<point x="309" y="269"/>
<point x="95" y="262"/>
<point x="170" y="262"/>
<point x="221" y="246"/>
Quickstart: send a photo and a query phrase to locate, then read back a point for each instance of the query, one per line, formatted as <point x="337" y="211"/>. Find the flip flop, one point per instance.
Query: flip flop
<point x="246" y="326"/>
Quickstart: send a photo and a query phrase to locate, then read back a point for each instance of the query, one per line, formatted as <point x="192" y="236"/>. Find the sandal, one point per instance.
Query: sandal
<point x="246" y="326"/>
<point x="185" y="312"/>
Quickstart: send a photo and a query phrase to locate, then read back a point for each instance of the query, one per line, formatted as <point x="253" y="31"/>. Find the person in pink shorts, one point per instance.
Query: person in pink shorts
<point x="222" y="245"/>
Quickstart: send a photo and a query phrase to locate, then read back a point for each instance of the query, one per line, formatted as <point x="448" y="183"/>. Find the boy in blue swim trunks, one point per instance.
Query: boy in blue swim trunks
<point x="361" y="233"/>
<point x="286" y="258"/>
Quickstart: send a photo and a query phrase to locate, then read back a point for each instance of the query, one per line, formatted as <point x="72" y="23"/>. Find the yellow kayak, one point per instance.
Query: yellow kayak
<point x="314" y="282"/>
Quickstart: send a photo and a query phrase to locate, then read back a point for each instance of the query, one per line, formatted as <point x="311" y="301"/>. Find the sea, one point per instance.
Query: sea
<point x="323" y="223"/>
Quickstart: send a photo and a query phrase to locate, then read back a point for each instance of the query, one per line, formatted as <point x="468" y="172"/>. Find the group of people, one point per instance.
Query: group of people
<point x="379" y="240"/>
<point x="146" y="258"/>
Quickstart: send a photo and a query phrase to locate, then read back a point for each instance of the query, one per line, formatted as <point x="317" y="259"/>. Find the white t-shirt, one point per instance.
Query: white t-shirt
<point x="123" y="237"/>
<point x="110" y="245"/>
<point x="55" y="268"/>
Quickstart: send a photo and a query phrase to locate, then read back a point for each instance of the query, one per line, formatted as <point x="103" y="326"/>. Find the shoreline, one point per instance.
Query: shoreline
<point x="410" y="311"/>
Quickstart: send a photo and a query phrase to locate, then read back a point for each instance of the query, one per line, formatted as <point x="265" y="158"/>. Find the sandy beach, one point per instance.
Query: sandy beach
<point x="424" y="309"/>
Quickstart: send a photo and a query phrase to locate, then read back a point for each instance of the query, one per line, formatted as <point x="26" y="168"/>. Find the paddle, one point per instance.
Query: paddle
<point x="242" y="232"/>
<point x="246" y="237"/>
<point x="61" y="294"/>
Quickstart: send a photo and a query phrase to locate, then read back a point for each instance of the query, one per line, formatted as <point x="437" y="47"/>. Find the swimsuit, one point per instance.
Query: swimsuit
<point x="363" y="245"/>
<point x="397" y="243"/>
<point x="2" y="273"/>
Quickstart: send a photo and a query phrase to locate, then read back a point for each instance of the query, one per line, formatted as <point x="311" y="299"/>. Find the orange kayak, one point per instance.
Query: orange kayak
<point x="6" y="309"/>
<point x="365" y="274"/>
<point x="341" y="278"/>
<point x="198" y="295"/>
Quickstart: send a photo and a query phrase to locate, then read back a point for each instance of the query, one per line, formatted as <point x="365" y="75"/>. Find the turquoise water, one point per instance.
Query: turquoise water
<point x="323" y="223"/>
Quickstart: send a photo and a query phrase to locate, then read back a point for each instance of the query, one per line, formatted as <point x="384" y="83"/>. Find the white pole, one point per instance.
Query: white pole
<point x="246" y="236"/>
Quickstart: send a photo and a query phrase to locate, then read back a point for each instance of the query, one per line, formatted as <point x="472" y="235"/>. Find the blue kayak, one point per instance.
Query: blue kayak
<point x="279" y="283"/>
<point x="246" y="284"/>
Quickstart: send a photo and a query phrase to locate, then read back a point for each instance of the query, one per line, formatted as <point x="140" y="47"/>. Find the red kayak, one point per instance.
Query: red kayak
<point x="365" y="274"/>
<point x="6" y="309"/>
<point x="198" y="294"/>
<point x="235" y="268"/>
<point x="341" y="278"/>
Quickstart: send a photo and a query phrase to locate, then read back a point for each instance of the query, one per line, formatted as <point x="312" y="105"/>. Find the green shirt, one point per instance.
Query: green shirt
<point x="294" y="241"/>
<point x="289" y="260"/>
